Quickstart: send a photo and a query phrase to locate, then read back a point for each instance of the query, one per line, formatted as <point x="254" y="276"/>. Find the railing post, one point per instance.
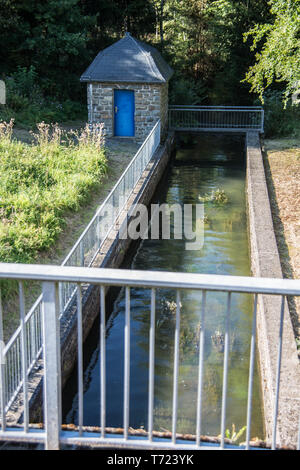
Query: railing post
<point x="262" y="120"/>
<point x="2" y="372"/>
<point x="52" y="365"/>
<point x="159" y="135"/>
<point x="61" y="298"/>
<point x="99" y="231"/>
<point x="81" y="253"/>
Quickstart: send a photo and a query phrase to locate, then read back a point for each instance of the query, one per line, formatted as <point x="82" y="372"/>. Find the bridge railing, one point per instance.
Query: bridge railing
<point x="83" y="253"/>
<point x="53" y="434"/>
<point x="217" y="118"/>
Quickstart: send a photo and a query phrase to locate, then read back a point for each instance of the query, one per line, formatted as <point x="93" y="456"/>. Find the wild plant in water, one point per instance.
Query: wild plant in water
<point x="217" y="196"/>
<point x="234" y="435"/>
<point x="171" y="306"/>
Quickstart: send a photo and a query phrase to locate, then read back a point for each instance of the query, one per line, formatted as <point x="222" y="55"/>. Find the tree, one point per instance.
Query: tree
<point x="229" y="19"/>
<point x="201" y="39"/>
<point x="188" y="38"/>
<point x="115" y="17"/>
<point x="279" y="44"/>
<point x="204" y="43"/>
<point x="50" y="36"/>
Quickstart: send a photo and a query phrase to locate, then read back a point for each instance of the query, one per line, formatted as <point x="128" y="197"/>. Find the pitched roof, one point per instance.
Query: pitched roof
<point x="128" y="60"/>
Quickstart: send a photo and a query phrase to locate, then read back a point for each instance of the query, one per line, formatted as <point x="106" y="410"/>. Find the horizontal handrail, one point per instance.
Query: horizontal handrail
<point x="216" y="118"/>
<point x="218" y="108"/>
<point x="51" y="276"/>
<point x="210" y="106"/>
<point x="136" y="278"/>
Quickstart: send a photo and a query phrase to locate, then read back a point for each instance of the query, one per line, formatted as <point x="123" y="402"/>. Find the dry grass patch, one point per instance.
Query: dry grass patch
<point x="282" y="164"/>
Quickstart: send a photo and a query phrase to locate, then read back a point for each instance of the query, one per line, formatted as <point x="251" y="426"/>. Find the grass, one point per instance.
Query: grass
<point x="118" y="154"/>
<point x="41" y="182"/>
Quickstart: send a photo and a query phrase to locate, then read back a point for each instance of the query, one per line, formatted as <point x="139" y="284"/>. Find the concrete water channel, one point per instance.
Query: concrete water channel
<point x="203" y="163"/>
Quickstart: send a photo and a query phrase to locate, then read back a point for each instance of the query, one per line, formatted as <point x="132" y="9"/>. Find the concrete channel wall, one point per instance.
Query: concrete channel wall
<point x="112" y="254"/>
<point x="265" y="262"/>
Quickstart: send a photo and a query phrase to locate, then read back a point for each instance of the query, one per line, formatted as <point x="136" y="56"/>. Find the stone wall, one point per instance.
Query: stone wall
<point x="151" y="104"/>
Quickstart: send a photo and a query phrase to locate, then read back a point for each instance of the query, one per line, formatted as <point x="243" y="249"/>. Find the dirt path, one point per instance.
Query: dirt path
<point x="282" y="164"/>
<point x="119" y="154"/>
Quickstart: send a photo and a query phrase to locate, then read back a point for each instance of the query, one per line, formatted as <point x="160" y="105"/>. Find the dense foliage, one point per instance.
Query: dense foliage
<point x="219" y="49"/>
<point x="279" y="58"/>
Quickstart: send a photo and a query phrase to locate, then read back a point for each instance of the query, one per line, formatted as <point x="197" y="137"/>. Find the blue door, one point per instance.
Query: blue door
<point x="124" y="113"/>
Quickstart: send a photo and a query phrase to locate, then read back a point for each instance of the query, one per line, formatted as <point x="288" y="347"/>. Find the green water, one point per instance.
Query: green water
<point x="203" y="164"/>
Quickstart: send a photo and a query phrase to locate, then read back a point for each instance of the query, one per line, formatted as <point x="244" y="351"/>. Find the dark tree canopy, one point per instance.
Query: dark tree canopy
<point x="220" y="49"/>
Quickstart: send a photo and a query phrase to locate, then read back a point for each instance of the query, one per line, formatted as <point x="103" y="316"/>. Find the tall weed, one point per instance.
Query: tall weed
<point x="41" y="181"/>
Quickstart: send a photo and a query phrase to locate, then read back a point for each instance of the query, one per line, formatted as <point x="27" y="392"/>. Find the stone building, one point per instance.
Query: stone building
<point x="127" y="89"/>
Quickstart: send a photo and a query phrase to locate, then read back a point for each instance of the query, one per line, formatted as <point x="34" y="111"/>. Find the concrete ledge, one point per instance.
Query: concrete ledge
<point x="265" y="262"/>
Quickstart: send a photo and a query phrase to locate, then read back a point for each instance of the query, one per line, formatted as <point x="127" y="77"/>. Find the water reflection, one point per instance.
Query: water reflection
<point x="201" y="165"/>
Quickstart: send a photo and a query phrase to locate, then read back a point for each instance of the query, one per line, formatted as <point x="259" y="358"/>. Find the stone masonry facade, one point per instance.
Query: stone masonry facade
<point x="151" y="104"/>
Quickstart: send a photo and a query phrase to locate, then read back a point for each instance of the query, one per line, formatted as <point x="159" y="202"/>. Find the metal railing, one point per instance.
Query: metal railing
<point x="53" y="435"/>
<point x="83" y="253"/>
<point x="217" y="118"/>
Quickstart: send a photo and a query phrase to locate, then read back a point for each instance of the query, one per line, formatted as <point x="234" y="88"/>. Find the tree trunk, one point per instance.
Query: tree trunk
<point x="161" y="26"/>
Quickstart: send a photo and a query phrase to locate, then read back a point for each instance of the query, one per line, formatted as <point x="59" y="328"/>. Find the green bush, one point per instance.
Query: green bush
<point x="23" y="82"/>
<point x="184" y="92"/>
<point x="27" y="105"/>
<point x="280" y="121"/>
